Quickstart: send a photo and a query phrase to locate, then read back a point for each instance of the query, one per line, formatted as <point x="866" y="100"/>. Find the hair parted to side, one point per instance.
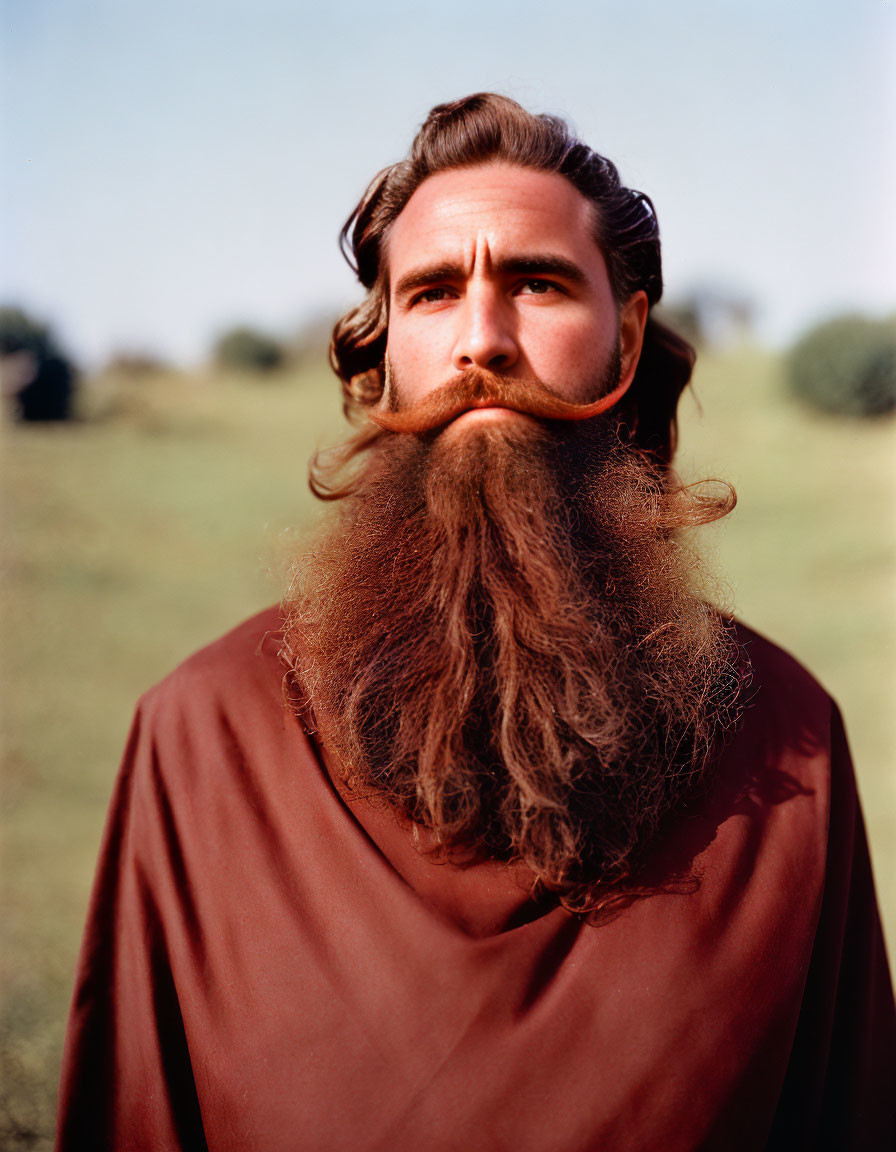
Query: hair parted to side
<point x="486" y="128"/>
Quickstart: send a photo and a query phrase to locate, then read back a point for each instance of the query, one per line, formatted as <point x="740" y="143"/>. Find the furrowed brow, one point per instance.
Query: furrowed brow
<point x="534" y="264"/>
<point x="426" y="276"/>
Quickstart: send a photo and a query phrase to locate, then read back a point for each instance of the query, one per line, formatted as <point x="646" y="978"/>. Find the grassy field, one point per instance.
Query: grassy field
<point x="138" y="536"/>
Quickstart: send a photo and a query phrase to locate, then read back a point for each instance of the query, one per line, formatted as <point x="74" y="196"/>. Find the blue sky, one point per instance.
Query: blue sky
<point x="169" y="168"/>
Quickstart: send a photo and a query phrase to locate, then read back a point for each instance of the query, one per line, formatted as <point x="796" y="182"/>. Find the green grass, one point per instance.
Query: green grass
<point x="140" y="536"/>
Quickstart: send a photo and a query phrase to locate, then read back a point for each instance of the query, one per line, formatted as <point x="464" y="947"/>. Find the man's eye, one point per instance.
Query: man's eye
<point x="537" y="287"/>
<point x="431" y="296"/>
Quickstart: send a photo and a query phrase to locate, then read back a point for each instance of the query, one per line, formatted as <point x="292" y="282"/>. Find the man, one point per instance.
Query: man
<point x="541" y="851"/>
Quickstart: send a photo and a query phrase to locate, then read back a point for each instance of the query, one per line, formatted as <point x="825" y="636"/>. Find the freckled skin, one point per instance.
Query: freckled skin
<point x="524" y="321"/>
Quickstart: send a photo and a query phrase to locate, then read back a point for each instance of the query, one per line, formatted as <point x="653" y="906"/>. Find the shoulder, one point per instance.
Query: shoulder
<point x="240" y="653"/>
<point x="776" y="681"/>
<point x="217" y="737"/>
<point x="234" y="675"/>
<point x="789" y="742"/>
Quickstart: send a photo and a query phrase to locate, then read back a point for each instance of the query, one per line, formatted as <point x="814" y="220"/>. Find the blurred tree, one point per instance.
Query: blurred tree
<point x="37" y="378"/>
<point x="846" y="365"/>
<point x="247" y="349"/>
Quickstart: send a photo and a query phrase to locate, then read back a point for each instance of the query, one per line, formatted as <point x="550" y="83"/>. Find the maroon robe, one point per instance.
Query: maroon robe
<point x="270" y="966"/>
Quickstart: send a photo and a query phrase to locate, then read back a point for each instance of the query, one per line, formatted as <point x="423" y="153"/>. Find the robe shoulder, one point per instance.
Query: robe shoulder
<point x="775" y="670"/>
<point x="223" y="705"/>
<point x="243" y="663"/>
<point x="791" y="725"/>
<point x="217" y="740"/>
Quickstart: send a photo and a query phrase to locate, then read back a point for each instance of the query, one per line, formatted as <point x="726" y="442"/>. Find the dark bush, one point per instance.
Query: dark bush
<point x="20" y="332"/>
<point x="248" y="350"/>
<point x="846" y="366"/>
<point x="37" y="377"/>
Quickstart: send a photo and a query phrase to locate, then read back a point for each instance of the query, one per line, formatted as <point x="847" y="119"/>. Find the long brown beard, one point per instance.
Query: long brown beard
<point x="501" y="639"/>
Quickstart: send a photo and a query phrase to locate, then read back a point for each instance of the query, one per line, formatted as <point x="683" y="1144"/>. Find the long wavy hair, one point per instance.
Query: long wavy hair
<point x="487" y="128"/>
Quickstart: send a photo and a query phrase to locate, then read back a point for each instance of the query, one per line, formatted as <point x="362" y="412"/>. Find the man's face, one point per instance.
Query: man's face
<point x="497" y="267"/>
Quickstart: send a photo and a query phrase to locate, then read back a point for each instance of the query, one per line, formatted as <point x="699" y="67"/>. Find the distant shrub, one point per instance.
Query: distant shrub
<point x="20" y="332"/>
<point x="248" y="350"/>
<point x="709" y="316"/>
<point x="846" y="366"/>
<point x="684" y="318"/>
<point x="136" y="365"/>
<point x="36" y="376"/>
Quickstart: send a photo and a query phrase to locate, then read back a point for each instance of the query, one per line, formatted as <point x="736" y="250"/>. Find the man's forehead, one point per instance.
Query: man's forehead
<point x="508" y="209"/>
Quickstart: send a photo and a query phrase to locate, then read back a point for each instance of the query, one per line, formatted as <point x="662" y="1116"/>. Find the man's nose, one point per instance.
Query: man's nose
<point x="485" y="333"/>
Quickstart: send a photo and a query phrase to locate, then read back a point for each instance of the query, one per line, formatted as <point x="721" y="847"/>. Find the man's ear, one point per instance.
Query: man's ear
<point x="632" y="322"/>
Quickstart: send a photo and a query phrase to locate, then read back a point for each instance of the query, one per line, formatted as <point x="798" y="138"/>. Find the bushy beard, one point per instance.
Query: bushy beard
<point x="501" y="639"/>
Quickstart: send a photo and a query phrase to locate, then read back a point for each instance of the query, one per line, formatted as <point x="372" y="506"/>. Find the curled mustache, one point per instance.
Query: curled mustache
<point x="479" y="388"/>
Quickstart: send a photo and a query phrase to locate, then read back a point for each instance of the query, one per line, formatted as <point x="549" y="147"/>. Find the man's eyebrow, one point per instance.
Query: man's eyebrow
<point x="541" y="264"/>
<point x="420" y="277"/>
<point x="534" y="264"/>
